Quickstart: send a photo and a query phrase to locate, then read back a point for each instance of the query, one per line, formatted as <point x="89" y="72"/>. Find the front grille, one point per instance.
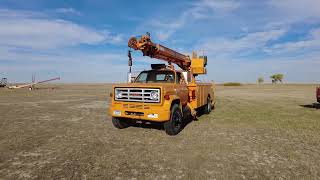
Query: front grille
<point x="136" y="95"/>
<point x="135" y="106"/>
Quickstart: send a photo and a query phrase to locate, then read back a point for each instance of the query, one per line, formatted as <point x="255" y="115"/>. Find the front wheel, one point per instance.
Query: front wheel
<point x="174" y="125"/>
<point x="120" y="123"/>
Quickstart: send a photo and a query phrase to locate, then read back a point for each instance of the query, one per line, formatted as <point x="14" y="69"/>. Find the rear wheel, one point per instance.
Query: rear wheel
<point x="120" y="123"/>
<point x="174" y="125"/>
<point x="208" y="106"/>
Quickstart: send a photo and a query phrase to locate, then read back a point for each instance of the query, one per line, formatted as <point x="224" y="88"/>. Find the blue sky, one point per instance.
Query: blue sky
<point x="86" y="40"/>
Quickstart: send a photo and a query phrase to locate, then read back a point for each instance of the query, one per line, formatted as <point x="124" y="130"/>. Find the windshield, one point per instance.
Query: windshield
<point x="155" y="76"/>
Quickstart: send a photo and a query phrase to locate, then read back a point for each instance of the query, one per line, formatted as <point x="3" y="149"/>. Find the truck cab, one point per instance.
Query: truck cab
<point x="171" y="80"/>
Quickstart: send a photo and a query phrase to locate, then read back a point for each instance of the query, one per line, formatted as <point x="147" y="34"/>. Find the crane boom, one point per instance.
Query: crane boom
<point x="158" y="51"/>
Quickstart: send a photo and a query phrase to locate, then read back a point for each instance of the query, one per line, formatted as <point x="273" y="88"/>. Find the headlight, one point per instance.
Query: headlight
<point x="118" y="94"/>
<point x="154" y="95"/>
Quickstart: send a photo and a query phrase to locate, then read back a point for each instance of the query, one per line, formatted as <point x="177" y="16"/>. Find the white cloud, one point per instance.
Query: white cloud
<point x="68" y="11"/>
<point x="72" y="66"/>
<point x="163" y="35"/>
<point x="58" y="56"/>
<point x="29" y="30"/>
<point x="296" y="10"/>
<point x="33" y="42"/>
<point x="113" y="38"/>
<point x="221" y="6"/>
<point x="199" y="10"/>
<point x="43" y="34"/>
<point x="282" y="13"/>
<point x="296" y="70"/>
<point x="6" y="13"/>
<point x="250" y="42"/>
<point x="166" y="28"/>
<point x="310" y="44"/>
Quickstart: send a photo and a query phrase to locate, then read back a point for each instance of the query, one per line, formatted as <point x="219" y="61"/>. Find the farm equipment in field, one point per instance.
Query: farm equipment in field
<point x="31" y="85"/>
<point x="3" y="82"/>
<point x="318" y="94"/>
<point x="162" y="94"/>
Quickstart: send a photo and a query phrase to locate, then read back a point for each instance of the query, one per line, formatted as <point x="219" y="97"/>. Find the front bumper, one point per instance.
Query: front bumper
<point x="140" y="111"/>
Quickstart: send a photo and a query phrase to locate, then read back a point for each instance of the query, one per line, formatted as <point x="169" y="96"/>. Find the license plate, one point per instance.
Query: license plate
<point x="152" y="115"/>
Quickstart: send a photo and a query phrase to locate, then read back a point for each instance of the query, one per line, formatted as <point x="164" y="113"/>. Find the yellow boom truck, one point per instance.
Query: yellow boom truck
<point x="162" y="94"/>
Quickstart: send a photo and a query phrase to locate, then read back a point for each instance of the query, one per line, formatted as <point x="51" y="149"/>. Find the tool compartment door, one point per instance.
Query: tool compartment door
<point x="203" y="91"/>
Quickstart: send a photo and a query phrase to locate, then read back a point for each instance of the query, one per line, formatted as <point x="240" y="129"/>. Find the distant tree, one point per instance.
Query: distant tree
<point x="260" y="80"/>
<point x="277" y="78"/>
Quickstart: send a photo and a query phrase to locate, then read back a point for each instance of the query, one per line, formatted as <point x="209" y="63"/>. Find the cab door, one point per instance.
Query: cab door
<point x="181" y="88"/>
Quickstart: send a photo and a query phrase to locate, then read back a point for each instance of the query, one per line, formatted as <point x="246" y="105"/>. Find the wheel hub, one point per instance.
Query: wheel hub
<point x="176" y="120"/>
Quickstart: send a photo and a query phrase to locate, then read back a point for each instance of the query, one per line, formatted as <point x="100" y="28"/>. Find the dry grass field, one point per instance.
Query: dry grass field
<point x="255" y="132"/>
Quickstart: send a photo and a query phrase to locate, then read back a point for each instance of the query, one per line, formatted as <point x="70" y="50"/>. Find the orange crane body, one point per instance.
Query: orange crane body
<point x="162" y="94"/>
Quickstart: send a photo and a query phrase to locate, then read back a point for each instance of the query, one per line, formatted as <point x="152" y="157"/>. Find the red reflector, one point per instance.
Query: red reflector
<point x="167" y="97"/>
<point x="193" y="94"/>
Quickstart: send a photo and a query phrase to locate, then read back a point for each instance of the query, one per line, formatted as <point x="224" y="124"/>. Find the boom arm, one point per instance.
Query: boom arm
<point x="158" y="51"/>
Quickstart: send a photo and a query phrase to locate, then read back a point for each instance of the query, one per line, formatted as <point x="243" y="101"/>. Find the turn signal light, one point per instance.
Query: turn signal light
<point x="193" y="95"/>
<point x="167" y="97"/>
<point x="111" y="94"/>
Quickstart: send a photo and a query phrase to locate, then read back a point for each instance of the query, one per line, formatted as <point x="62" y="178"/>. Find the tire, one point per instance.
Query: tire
<point x="174" y="125"/>
<point x="208" y="106"/>
<point x="120" y="123"/>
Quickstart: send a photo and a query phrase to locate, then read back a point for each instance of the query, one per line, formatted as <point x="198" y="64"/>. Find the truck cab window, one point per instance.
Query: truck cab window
<point x="180" y="79"/>
<point x="155" y="76"/>
<point x="142" y="77"/>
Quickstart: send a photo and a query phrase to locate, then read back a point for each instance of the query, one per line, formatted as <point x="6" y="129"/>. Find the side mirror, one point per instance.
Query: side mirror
<point x="133" y="79"/>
